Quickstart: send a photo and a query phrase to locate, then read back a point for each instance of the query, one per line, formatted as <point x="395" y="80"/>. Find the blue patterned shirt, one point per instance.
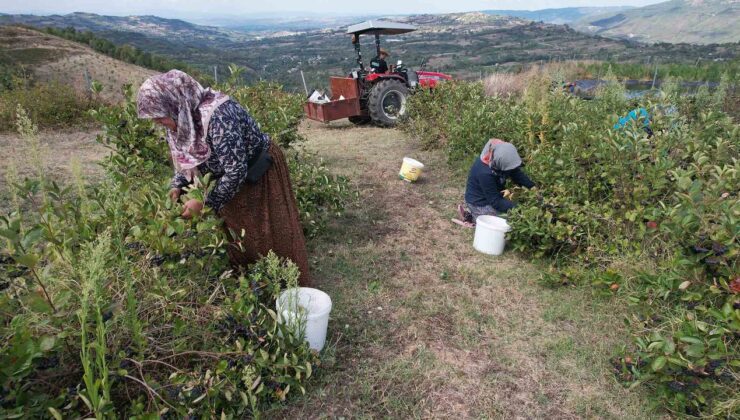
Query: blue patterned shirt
<point x="234" y="138"/>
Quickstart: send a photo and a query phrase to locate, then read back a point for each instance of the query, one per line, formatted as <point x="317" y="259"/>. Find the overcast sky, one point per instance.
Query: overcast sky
<point x="252" y="7"/>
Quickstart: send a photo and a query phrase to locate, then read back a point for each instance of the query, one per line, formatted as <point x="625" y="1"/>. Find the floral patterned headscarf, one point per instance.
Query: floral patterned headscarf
<point x="178" y="96"/>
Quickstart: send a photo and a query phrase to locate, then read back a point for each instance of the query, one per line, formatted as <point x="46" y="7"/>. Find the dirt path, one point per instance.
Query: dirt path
<point x="424" y="326"/>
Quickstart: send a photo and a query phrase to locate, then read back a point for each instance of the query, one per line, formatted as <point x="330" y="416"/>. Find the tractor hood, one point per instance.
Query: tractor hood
<point x="380" y="27"/>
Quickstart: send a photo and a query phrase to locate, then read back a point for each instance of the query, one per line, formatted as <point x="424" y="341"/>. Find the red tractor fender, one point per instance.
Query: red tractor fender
<point x="426" y="78"/>
<point x="373" y="77"/>
<point x="431" y="78"/>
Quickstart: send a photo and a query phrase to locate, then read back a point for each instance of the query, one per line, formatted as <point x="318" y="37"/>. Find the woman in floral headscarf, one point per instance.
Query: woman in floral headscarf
<point x="208" y="132"/>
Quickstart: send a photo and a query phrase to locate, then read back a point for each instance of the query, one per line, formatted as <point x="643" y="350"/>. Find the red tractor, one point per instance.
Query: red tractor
<point x="367" y="96"/>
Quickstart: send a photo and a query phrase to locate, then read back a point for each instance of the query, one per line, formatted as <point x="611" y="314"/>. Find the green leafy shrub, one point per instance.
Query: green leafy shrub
<point x="320" y="194"/>
<point x="51" y="105"/>
<point x="654" y="220"/>
<point x="278" y="112"/>
<point x="112" y="305"/>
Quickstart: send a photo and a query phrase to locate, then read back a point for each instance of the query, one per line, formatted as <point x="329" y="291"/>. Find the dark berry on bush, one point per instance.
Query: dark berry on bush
<point x="247" y="359"/>
<point x="698" y="249"/>
<point x="107" y="315"/>
<point x="726" y="376"/>
<point x="197" y="391"/>
<point x="676" y="386"/>
<point x="712" y="261"/>
<point x="134" y="245"/>
<point x="47" y="363"/>
<point x="736" y="305"/>
<point x="714" y="365"/>
<point x="18" y="272"/>
<point x="174" y="392"/>
<point x="157" y="260"/>
<point x="692" y="411"/>
<point x="719" y="249"/>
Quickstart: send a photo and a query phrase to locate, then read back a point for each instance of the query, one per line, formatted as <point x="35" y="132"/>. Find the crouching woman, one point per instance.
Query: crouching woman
<point x="487" y="178"/>
<point x="208" y="132"/>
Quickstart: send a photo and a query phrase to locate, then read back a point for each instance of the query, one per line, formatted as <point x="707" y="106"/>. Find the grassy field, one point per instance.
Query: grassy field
<point x="424" y="326"/>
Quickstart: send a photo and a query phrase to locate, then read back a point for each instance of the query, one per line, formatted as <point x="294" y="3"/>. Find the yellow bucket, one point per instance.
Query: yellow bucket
<point x="411" y="170"/>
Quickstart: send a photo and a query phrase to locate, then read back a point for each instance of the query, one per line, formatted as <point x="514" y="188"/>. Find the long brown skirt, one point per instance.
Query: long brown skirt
<point x="268" y="214"/>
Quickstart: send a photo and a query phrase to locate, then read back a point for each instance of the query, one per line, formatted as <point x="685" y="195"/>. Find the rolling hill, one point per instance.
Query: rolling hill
<point x="49" y="58"/>
<point x="563" y="15"/>
<point x="148" y="26"/>
<point x="692" y="21"/>
<point x="463" y="44"/>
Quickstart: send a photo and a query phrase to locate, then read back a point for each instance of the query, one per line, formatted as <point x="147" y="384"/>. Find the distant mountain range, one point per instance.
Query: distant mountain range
<point x="295" y="22"/>
<point x="692" y="21"/>
<point x="559" y="16"/>
<point x="150" y="26"/>
<point x="464" y="44"/>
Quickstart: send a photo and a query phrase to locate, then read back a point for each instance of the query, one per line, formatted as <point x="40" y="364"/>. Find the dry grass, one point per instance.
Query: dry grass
<point x="424" y="326"/>
<point x="66" y="61"/>
<point x="59" y="150"/>
<point x="508" y="84"/>
<point x="505" y="84"/>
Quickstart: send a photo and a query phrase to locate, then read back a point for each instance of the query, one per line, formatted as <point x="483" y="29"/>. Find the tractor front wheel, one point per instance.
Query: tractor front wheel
<point x="387" y="102"/>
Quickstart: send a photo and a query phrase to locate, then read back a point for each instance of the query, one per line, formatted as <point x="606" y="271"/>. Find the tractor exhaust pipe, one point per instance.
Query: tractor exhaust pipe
<point x="356" y="43"/>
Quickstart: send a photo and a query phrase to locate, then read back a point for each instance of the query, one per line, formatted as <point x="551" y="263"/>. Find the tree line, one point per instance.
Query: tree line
<point x="126" y="52"/>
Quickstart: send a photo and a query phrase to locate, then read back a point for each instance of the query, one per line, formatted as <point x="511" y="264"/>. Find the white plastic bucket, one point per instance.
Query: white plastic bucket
<point x="411" y="170"/>
<point x="306" y="310"/>
<point x="490" y="234"/>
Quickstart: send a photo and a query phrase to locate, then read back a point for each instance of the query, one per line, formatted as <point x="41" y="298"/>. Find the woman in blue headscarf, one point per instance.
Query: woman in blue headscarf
<point x="639" y="114"/>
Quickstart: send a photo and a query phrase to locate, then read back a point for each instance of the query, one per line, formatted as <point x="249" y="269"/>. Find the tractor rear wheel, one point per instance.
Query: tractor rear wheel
<point x="387" y="102"/>
<point x="359" y="119"/>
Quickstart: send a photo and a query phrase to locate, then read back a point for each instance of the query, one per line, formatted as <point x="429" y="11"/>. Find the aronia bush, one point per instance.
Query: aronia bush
<point x="113" y="306"/>
<point x="651" y="221"/>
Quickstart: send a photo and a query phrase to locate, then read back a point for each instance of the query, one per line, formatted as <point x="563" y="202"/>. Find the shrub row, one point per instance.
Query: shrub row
<point x="113" y="306"/>
<point x="653" y="221"/>
<point x="51" y="105"/>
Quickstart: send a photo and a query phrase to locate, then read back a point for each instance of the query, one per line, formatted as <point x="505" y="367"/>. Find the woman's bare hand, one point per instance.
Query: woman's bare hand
<point x="175" y="194"/>
<point x="192" y="208"/>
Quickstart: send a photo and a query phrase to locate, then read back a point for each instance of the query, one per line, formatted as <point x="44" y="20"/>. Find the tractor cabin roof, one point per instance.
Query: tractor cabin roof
<point x="380" y="27"/>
